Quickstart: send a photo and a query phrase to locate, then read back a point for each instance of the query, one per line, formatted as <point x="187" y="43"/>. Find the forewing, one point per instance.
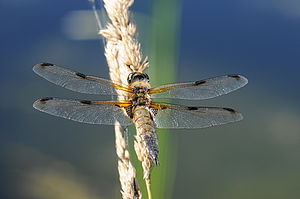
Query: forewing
<point x="173" y="116"/>
<point x="76" y="81"/>
<point x="84" y="111"/>
<point x="202" y="89"/>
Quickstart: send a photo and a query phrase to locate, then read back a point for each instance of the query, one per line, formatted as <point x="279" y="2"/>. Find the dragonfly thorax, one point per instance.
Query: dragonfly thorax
<point x="141" y="96"/>
<point x="139" y="82"/>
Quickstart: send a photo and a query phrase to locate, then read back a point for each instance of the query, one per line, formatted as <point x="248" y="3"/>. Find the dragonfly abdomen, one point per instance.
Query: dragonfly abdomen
<point x="145" y="127"/>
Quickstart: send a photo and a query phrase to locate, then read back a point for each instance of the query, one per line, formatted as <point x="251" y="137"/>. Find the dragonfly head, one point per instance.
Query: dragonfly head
<point x="137" y="76"/>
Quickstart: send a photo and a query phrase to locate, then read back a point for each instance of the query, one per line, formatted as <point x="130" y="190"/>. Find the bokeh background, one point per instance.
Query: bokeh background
<point x="47" y="157"/>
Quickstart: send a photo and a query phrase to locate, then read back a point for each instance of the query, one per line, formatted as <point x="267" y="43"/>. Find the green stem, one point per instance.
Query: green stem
<point x="164" y="54"/>
<point x="148" y="185"/>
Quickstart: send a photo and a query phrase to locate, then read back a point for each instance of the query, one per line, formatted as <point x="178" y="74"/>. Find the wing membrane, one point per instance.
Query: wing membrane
<point x="76" y="81"/>
<point x="173" y="116"/>
<point x="202" y="89"/>
<point x="84" y="111"/>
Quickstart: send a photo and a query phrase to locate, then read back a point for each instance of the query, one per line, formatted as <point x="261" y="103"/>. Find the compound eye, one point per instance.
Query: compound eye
<point x="129" y="78"/>
<point x="146" y="76"/>
<point x="136" y="77"/>
<point x="141" y="77"/>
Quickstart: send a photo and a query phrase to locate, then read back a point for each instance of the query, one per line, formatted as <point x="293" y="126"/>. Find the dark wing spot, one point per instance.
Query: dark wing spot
<point x="80" y="75"/>
<point x="163" y="107"/>
<point x="230" y="110"/>
<point x="237" y="77"/>
<point x="88" y="102"/>
<point x="196" y="83"/>
<point x="192" y="108"/>
<point x="44" y="100"/>
<point x="155" y="110"/>
<point x="44" y="64"/>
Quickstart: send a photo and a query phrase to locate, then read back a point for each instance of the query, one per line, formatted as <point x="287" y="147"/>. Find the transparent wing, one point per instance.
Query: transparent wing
<point x="202" y="89"/>
<point x="76" y="81"/>
<point x="173" y="116"/>
<point x="85" y="111"/>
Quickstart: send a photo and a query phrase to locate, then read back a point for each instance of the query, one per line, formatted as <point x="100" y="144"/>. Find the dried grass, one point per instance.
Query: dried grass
<point x="123" y="54"/>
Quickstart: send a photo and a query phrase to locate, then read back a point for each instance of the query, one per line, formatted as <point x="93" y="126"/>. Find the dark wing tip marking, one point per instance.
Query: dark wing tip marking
<point x="192" y="108"/>
<point x="237" y="77"/>
<point x="80" y="75"/>
<point x="44" y="100"/>
<point x="242" y="80"/>
<point x="44" y="64"/>
<point x="230" y="110"/>
<point x="196" y="83"/>
<point x="88" y="102"/>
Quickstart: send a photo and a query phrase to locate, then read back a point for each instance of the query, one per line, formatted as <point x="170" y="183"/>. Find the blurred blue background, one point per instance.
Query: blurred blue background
<point x="47" y="157"/>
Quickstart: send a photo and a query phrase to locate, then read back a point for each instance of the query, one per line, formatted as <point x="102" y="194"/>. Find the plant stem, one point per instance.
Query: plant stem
<point x="148" y="184"/>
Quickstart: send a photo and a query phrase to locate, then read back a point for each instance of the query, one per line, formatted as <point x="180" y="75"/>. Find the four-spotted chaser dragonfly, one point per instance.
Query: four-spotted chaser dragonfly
<point x="139" y="108"/>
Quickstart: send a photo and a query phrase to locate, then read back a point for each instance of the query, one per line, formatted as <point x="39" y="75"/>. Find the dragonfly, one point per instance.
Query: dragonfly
<point x="140" y="107"/>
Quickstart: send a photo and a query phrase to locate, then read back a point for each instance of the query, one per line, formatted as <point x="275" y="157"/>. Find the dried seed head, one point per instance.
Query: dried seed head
<point x="123" y="54"/>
